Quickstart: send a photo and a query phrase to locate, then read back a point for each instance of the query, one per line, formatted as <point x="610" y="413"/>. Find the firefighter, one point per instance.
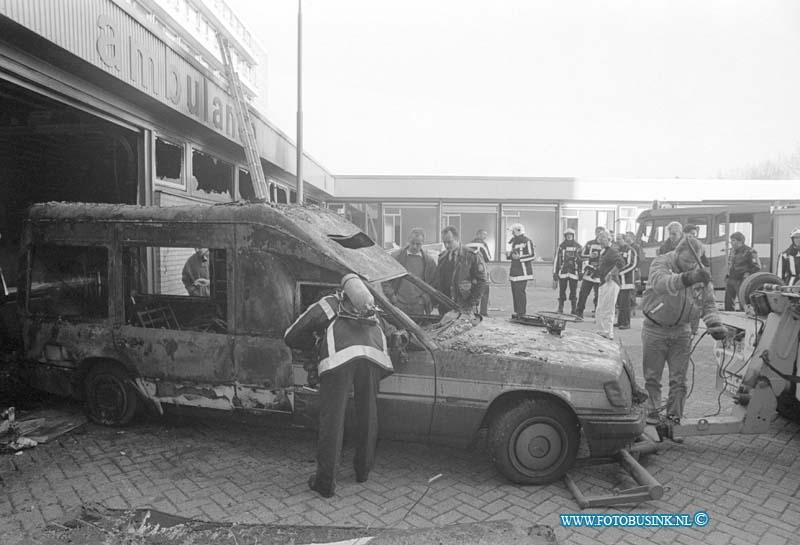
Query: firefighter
<point x="677" y="290"/>
<point x="353" y="352"/>
<point x="460" y="273"/>
<point x="742" y="262"/>
<point x="789" y="260"/>
<point x="566" y="268"/>
<point x="590" y="257"/>
<point x="521" y="255"/>
<point x="627" y="284"/>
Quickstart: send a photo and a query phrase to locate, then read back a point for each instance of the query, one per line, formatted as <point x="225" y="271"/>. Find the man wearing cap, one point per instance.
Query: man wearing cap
<point x="789" y="260"/>
<point x="566" y="267"/>
<point x="521" y="255"/>
<point x="742" y="262"/>
<point x="460" y="272"/>
<point x="353" y="351"/>
<point x="418" y="262"/>
<point x="677" y="290"/>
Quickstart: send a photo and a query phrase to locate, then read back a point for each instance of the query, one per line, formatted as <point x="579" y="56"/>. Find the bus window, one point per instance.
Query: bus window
<point x="659" y="232"/>
<point x="702" y="227"/>
<point x="742" y="223"/>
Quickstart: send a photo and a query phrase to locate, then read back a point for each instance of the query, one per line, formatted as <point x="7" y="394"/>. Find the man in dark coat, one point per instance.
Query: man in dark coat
<point x="742" y="262"/>
<point x="460" y="272"/>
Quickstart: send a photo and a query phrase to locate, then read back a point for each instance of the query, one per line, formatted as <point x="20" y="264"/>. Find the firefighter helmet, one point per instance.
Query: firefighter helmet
<point x="795" y="232"/>
<point x="569" y="231"/>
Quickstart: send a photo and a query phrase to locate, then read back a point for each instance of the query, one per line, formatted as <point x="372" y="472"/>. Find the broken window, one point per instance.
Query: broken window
<point x="278" y="193"/>
<point x="69" y="282"/>
<point x="175" y="288"/>
<point x="246" y="191"/>
<point x="169" y="162"/>
<point x="211" y="176"/>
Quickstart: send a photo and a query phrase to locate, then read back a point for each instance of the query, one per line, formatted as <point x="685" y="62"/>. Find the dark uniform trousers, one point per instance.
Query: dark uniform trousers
<point x="334" y="386"/>
<point x="519" y="296"/>
<point x="563" y="283"/>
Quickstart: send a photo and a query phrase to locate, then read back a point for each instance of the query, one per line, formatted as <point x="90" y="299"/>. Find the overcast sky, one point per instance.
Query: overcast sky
<point x="655" y="88"/>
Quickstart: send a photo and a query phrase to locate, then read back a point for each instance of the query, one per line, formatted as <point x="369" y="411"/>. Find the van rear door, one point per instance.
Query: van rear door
<point x="718" y="254"/>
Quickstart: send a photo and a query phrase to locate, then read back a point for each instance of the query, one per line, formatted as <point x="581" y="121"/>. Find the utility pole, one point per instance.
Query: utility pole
<point x="300" y="196"/>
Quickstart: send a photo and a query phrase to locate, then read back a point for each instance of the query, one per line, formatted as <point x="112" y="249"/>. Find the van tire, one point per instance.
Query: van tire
<point x="110" y="395"/>
<point x="534" y="442"/>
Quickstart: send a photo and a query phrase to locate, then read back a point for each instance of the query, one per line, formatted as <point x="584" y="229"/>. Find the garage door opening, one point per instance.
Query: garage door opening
<point x="50" y="151"/>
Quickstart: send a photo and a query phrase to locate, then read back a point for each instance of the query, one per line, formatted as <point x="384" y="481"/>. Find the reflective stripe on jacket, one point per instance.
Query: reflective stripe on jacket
<point x="345" y="339"/>
<point x="591" y="258"/>
<point x="789" y="265"/>
<point x="568" y="260"/>
<point x="522" y="268"/>
<point x="627" y="272"/>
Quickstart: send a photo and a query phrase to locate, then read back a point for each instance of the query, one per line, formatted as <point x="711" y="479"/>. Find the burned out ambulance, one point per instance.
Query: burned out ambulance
<point x="106" y="318"/>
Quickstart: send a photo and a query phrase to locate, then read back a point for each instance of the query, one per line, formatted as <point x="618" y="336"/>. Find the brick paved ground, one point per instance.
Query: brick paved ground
<point x="226" y="470"/>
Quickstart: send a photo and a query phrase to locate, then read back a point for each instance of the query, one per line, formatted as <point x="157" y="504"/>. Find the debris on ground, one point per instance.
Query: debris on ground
<point x="96" y="525"/>
<point x="35" y="427"/>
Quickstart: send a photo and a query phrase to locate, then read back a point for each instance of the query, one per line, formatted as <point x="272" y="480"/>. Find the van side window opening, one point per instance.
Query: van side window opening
<point x="157" y="297"/>
<point x="69" y="281"/>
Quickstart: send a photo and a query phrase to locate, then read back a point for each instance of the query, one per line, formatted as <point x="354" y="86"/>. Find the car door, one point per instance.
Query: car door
<point x="406" y="397"/>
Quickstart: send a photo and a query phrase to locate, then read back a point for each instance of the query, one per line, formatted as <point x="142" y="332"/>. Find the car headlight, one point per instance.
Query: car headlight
<point x="619" y="392"/>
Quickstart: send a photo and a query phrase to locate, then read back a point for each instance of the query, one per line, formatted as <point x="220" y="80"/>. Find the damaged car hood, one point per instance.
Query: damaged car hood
<point x="511" y="349"/>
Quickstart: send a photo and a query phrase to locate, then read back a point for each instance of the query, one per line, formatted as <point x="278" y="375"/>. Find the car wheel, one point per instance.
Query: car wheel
<point x="534" y="442"/>
<point x="110" y="395"/>
<point x="754" y="282"/>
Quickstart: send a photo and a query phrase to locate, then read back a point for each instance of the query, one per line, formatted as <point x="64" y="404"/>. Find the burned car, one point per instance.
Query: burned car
<point x="107" y="318"/>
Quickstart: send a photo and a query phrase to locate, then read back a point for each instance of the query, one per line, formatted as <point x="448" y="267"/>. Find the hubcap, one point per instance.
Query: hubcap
<point x="537" y="447"/>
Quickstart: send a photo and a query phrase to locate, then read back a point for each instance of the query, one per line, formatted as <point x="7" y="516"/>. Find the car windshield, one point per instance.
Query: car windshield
<point x="428" y="328"/>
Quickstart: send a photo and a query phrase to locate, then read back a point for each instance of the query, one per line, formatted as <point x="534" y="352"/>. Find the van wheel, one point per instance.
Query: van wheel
<point x="534" y="442"/>
<point x="110" y="395"/>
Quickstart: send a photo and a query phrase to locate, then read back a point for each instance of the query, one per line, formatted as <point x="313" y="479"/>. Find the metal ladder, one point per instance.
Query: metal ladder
<point x="245" y="126"/>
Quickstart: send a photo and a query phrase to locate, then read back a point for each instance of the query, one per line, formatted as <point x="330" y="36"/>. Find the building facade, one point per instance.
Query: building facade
<point x="125" y="101"/>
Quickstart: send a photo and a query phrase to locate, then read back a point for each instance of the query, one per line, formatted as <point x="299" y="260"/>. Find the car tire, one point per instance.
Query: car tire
<point x="754" y="282"/>
<point x="110" y="395"/>
<point x="534" y="442"/>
